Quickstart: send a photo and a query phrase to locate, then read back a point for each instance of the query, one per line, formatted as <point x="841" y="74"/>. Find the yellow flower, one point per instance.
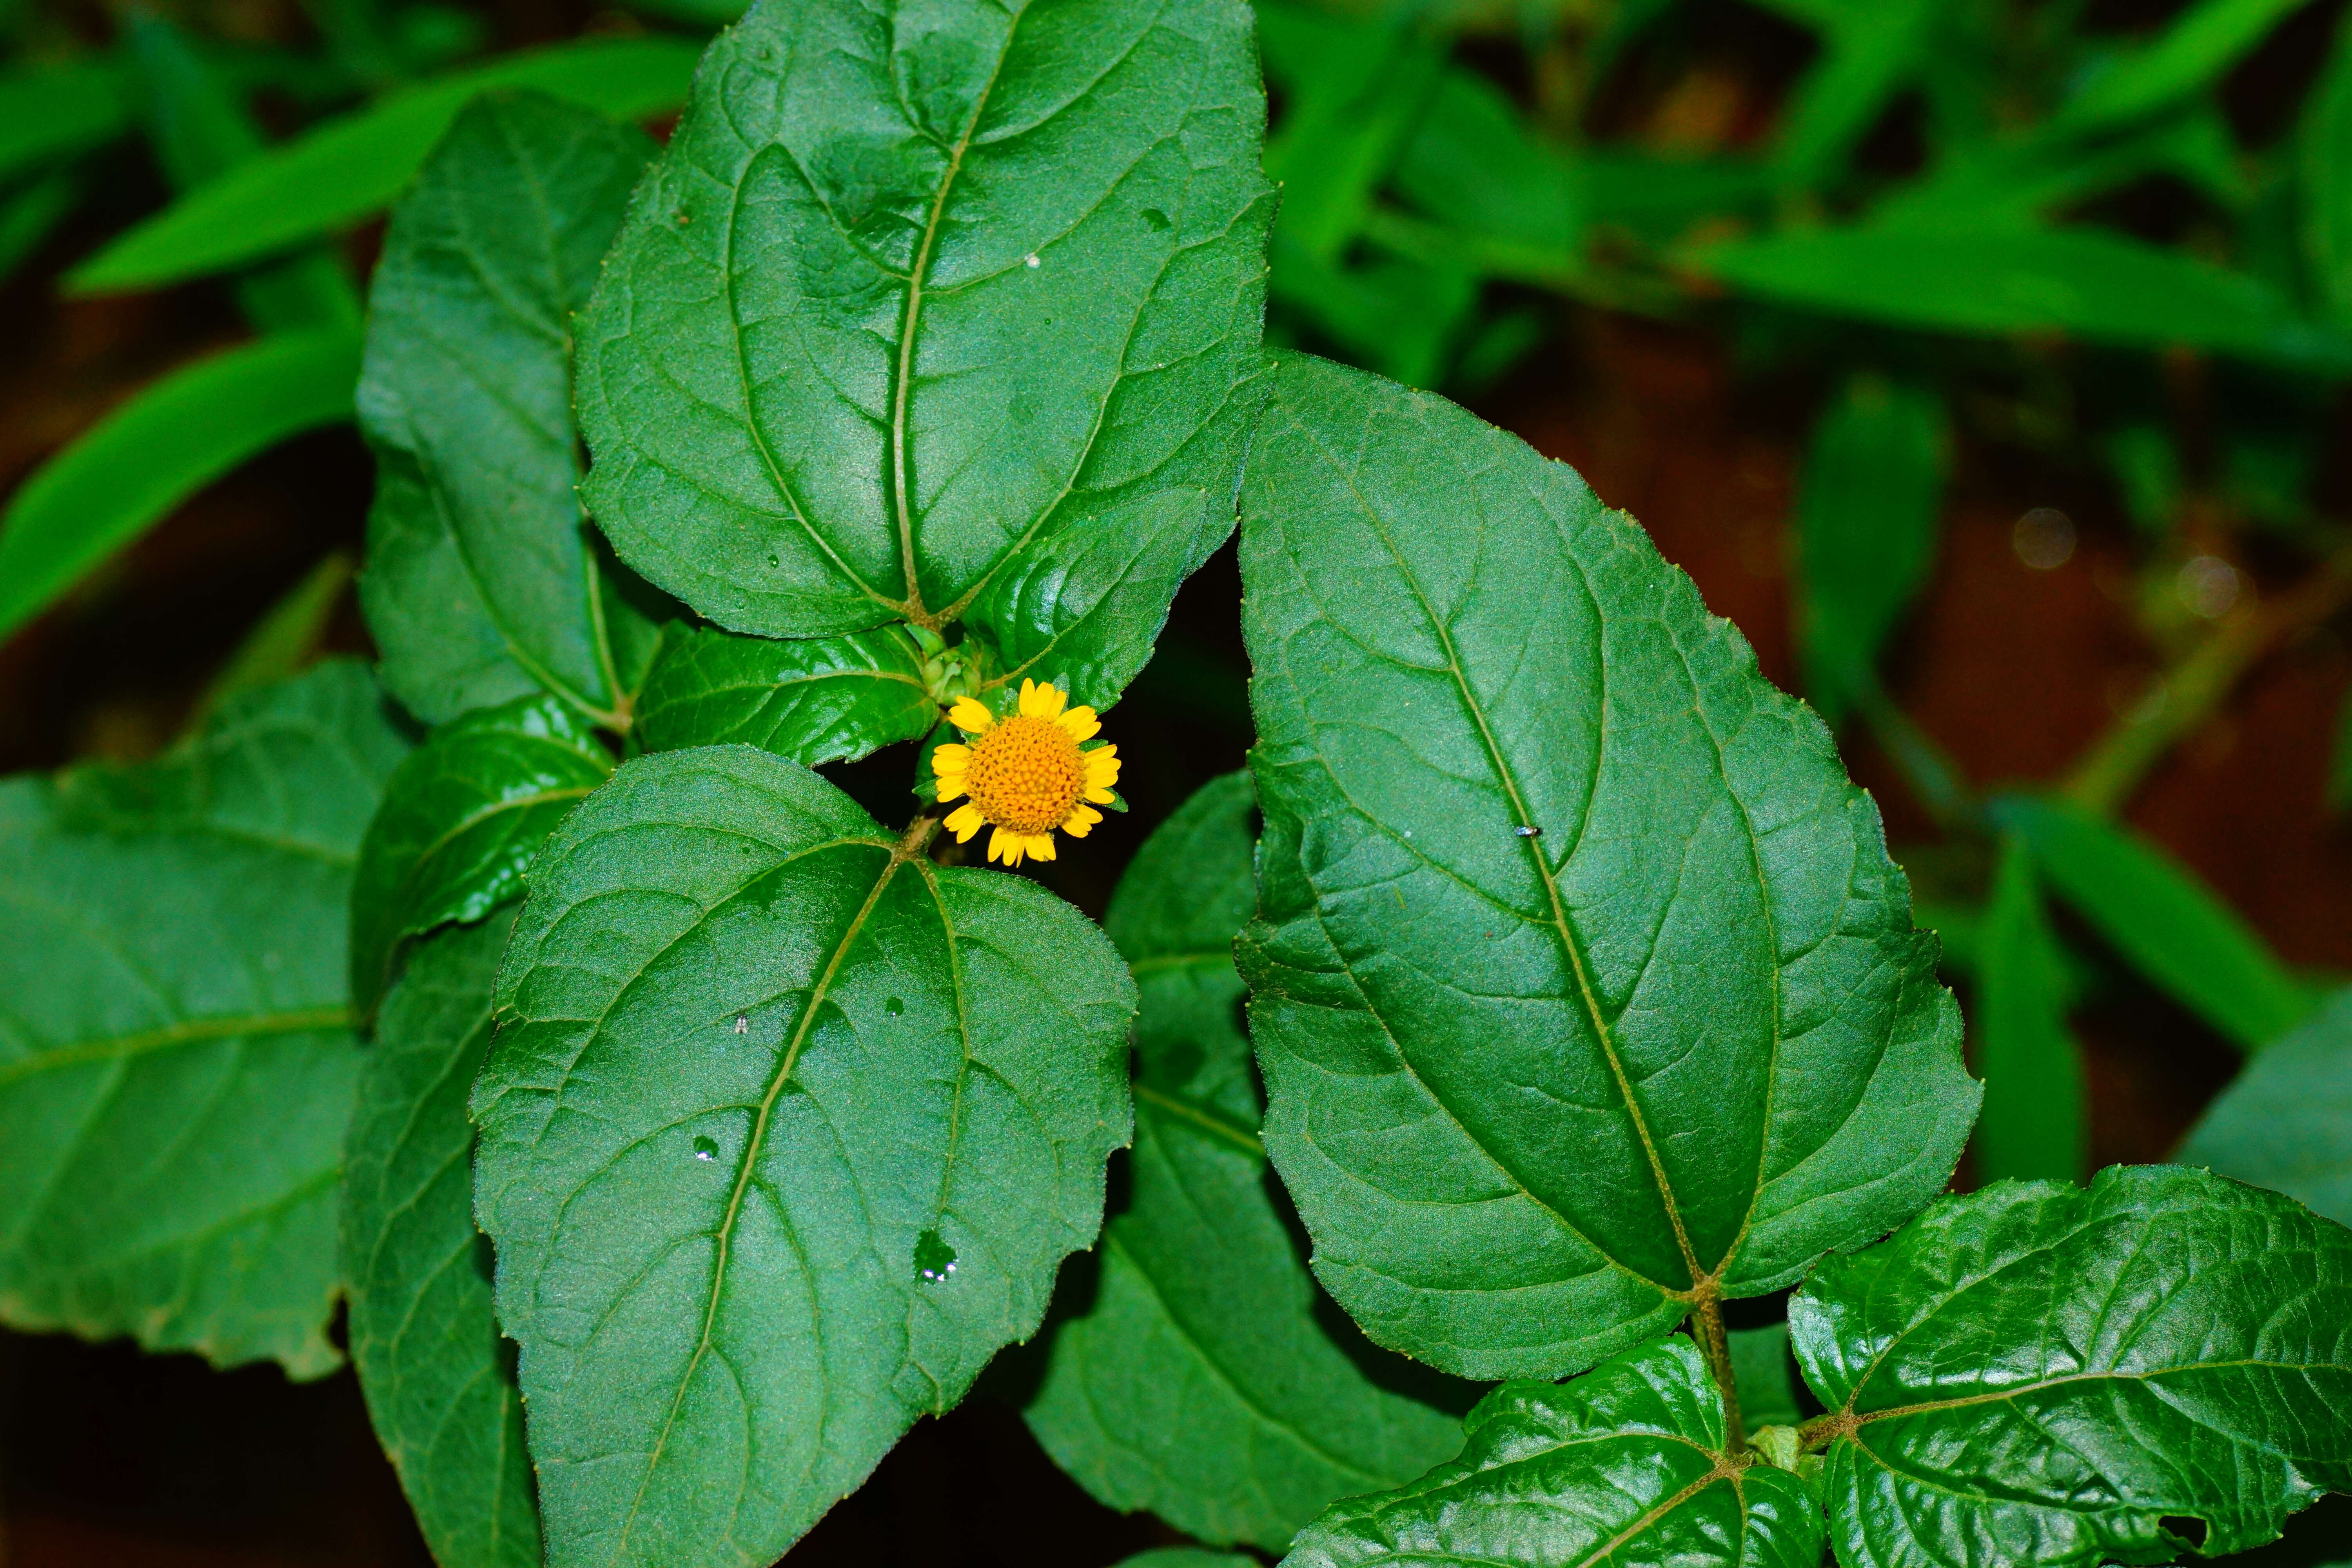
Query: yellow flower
<point x="1024" y="774"/>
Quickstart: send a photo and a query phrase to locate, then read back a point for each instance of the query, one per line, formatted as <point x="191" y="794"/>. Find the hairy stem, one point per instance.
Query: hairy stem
<point x="1706" y="1327"/>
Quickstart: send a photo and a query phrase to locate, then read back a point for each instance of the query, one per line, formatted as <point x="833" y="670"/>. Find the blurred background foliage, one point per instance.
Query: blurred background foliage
<point x="1984" y="360"/>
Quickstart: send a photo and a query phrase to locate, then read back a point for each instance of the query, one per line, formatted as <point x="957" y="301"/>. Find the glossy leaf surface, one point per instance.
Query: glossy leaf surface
<point x="176" y="1063"/>
<point x="1206" y="1382"/>
<point x="2287" y="1123"/>
<point x="2176" y="930"/>
<point x="785" y="1134"/>
<point x="2037" y="1374"/>
<point x="1621" y="1468"/>
<point x="2036" y="1121"/>
<point x="439" y="1381"/>
<point x="339" y="172"/>
<point x="460" y="822"/>
<point x="1582" y="982"/>
<point x="481" y="583"/>
<point x="931" y="314"/>
<point x="813" y="699"/>
<point x="160" y="446"/>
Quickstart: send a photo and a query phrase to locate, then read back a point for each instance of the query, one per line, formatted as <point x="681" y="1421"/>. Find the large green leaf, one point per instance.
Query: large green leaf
<point x="2323" y="142"/>
<point x="481" y="585"/>
<point x="173" y="437"/>
<point x="1203" y="1384"/>
<point x="2036" y="1113"/>
<point x="1583" y="987"/>
<point x="2164" y="919"/>
<point x="1866" y="524"/>
<point x="341" y="172"/>
<point x="2287" y="1123"/>
<point x="176" y="1063"/>
<point x="783" y="1134"/>
<point x="2004" y="279"/>
<point x="947" y="314"/>
<point x="814" y="700"/>
<point x="1620" y="1468"/>
<point x="2036" y="1373"/>
<point x="439" y="1381"/>
<point x="461" y="819"/>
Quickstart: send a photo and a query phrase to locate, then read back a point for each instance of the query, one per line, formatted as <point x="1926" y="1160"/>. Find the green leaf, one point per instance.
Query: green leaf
<point x="1622" y="1467"/>
<point x="1356" y="95"/>
<point x="481" y="583"/>
<point x="1766" y="1376"/>
<point x="439" y="1381"/>
<point x="460" y="822"/>
<point x="2287" y="1123"/>
<point x="170" y="438"/>
<point x="51" y="112"/>
<point x="783" y="1134"/>
<point x="1189" y="1557"/>
<point x="2035" y="1373"/>
<point x="2036" y="1119"/>
<point x="29" y="214"/>
<point x="1203" y="1384"/>
<point x="2200" y="46"/>
<point x="177" y="1064"/>
<point x="1868" y="512"/>
<point x="200" y="131"/>
<point x="339" y="173"/>
<point x="956" y="320"/>
<point x="2169" y="925"/>
<point x="813" y="699"/>
<point x="1582" y="984"/>
<point x="2323" y="145"/>
<point x="2002" y="277"/>
<point x="1872" y="52"/>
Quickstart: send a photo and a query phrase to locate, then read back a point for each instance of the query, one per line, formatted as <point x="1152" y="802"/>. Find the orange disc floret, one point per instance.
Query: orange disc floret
<point x="1025" y="774"/>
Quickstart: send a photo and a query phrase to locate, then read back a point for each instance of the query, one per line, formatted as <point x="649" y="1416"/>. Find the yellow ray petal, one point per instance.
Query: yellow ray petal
<point x="1081" y="723"/>
<point x="1040" y="846"/>
<point x="964" y="821"/>
<point x="1005" y="844"/>
<point x="1098" y="795"/>
<point x="1041" y="701"/>
<point x="1102" y="767"/>
<point x="1081" y="821"/>
<point x="949" y="759"/>
<point x="971" y="715"/>
<point x="950" y="788"/>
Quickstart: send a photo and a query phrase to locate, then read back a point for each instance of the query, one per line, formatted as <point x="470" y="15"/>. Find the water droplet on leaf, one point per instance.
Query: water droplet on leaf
<point x="934" y="1258"/>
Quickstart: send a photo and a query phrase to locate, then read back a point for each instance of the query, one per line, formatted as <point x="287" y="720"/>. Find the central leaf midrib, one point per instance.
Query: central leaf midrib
<point x="1562" y="930"/>
<point x="917" y="275"/>
<point x="788" y="1060"/>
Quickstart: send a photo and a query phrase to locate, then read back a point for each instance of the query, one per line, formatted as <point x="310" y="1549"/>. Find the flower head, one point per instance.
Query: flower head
<point x="1025" y="774"/>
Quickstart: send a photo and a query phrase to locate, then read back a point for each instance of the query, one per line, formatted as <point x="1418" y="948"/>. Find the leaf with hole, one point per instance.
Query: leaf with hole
<point x="1622" y="1466"/>
<point x="460" y="821"/>
<point x="482" y="584"/>
<point x="783" y="1134"/>
<point x="1582" y="984"/>
<point x="176" y="1063"/>
<point x="813" y="699"/>
<point x="439" y="1380"/>
<point x="2040" y="1373"/>
<point x="1208" y="1381"/>
<point x="941" y="316"/>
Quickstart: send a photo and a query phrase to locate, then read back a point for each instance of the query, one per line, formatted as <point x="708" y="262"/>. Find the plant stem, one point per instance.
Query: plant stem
<point x="1715" y="1345"/>
<point x="2195" y="686"/>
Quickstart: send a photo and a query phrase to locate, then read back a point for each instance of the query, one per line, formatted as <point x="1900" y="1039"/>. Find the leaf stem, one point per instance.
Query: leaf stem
<point x="1706" y="1323"/>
